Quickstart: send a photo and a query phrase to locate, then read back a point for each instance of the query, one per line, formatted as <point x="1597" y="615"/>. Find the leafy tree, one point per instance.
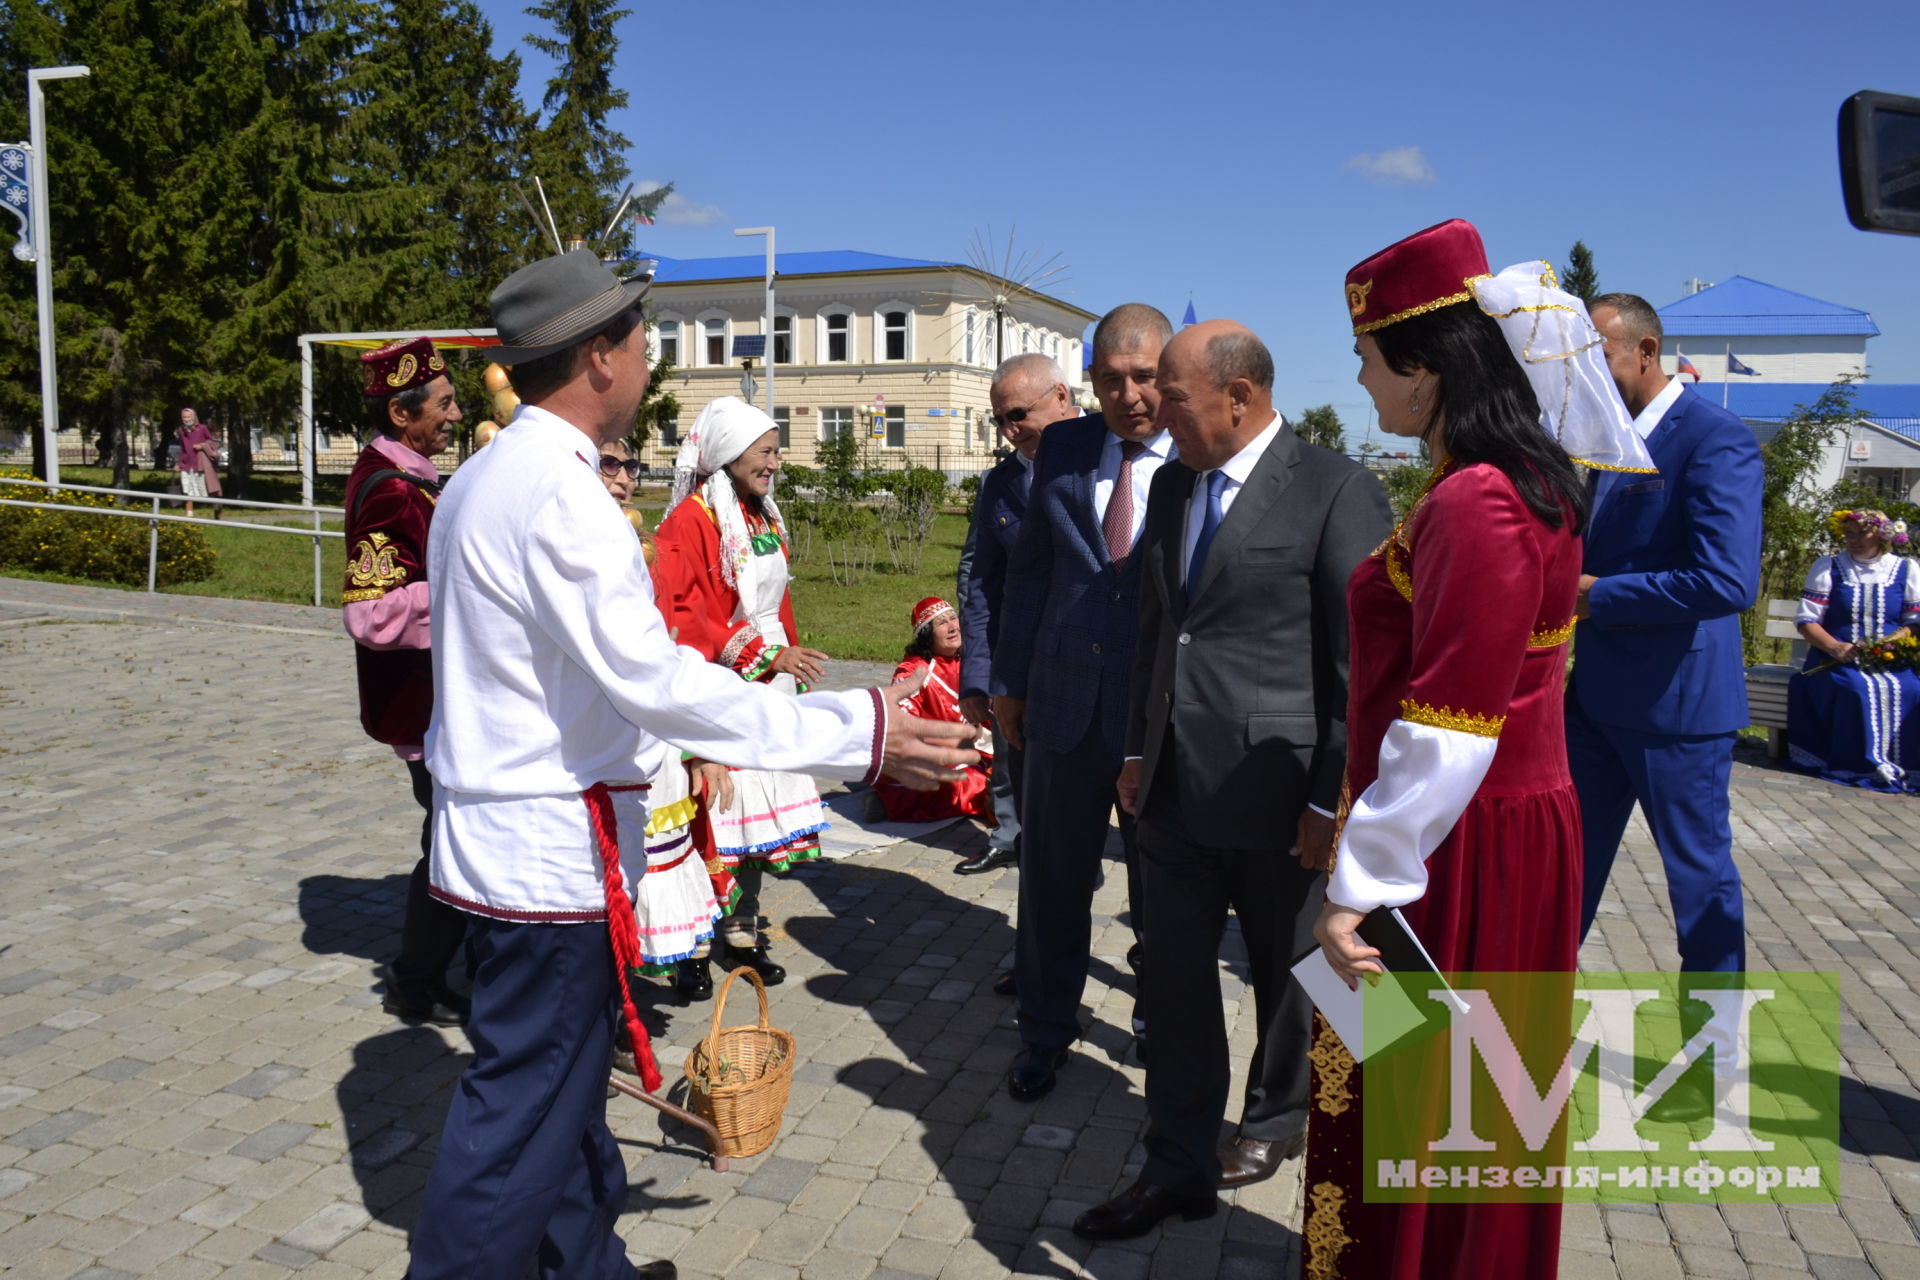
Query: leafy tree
<point x="658" y="408"/>
<point x="1322" y="426"/>
<point x="1580" y="279"/>
<point x="1793" y="508"/>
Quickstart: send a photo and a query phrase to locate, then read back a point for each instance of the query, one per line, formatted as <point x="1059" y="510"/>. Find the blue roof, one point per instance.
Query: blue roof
<point x="1893" y="405"/>
<point x="753" y="266"/>
<point x="1743" y="307"/>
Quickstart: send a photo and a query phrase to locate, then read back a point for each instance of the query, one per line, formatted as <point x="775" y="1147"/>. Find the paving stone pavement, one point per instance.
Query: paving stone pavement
<point x="203" y="865"/>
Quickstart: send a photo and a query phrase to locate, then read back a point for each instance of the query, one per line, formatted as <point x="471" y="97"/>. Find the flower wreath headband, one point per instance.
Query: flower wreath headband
<point x="1892" y="532"/>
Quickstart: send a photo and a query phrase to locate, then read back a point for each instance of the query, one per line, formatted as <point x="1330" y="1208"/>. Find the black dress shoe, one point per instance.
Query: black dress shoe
<point x="693" y="979"/>
<point x="754" y="958"/>
<point x="986" y="860"/>
<point x="661" y="1270"/>
<point x="1244" y="1161"/>
<point x="1685" y="1103"/>
<point x="1138" y="1210"/>
<point x="1033" y="1071"/>
<point x="1004" y="985"/>
<point x="442" y="1008"/>
<point x="1136" y="956"/>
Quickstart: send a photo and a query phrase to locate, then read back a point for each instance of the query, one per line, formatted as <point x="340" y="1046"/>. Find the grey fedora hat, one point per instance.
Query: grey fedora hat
<point x="551" y="304"/>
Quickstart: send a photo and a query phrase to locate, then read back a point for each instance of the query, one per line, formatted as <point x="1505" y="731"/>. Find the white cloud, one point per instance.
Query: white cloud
<point x="678" y="211"/>
<point x="1399" y="167"/>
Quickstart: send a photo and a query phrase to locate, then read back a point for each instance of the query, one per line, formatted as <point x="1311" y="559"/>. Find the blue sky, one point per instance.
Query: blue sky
<point x="1247" y="154"/>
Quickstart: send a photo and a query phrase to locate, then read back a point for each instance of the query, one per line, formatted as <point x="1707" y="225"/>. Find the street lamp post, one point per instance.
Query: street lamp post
<point x="43" y="260"/>
<point x="766" y="326"/>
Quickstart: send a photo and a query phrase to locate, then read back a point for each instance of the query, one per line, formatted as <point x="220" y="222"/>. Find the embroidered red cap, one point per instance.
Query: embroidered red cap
<point x="399" y="365"/>
<point x="1426" y="271"/>
<point x="930" y="611"/>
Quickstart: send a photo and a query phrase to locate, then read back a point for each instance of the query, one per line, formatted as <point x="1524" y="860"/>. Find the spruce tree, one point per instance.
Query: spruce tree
<point x="577" y="153"/>
<point x="1580" y="279"/>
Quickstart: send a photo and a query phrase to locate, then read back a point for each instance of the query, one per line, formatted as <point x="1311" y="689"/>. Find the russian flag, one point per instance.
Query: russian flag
<point x="1685" y="365"/>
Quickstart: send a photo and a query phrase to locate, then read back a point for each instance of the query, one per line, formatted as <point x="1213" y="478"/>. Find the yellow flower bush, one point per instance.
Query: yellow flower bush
<point x="103" y="548"/>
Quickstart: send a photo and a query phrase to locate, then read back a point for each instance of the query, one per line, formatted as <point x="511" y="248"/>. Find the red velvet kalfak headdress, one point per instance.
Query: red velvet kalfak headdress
<point x="399" y="365"/>
<point x="1428" y="270"/>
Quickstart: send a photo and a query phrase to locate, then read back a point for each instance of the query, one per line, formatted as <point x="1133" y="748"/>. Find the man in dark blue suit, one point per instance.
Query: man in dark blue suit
<point x="1658" y="691"/>
<point x="1061" y="670"/>
<point x="1029" y="394"/>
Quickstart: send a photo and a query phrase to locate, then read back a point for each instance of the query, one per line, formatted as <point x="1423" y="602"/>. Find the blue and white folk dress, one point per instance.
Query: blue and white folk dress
<point x="1847" y="725"/>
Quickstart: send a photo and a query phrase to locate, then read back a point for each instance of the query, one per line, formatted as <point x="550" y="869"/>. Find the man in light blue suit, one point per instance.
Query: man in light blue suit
<point x="1658" y="691"/>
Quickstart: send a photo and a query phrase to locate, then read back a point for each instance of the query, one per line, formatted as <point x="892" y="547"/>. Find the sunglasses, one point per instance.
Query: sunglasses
<point x="611" y="466"/>
<point x="1013" y="417"/>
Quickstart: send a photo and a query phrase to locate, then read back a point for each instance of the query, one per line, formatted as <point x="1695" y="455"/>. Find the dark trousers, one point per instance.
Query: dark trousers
<point x="527" y="1169"/>
<point x="1191" y="888"/>
<point x="1007" y="764"/>
<point x="1681" y="785"/>
<point x="432" y="932"/>
<point x="1067" y="799"/>
<point x="750" y="875"/>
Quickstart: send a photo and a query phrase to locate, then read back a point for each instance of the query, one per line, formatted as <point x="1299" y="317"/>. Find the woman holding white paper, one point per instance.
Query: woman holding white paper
<point x="1461" y="809"/>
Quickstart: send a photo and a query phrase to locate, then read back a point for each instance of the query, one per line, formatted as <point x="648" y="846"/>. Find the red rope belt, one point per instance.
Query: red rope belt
<point x="623" y="931"/>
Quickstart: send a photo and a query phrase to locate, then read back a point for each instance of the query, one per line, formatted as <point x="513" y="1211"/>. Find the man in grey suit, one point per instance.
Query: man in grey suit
<point x="1236" y="746"/>
<point x="1060" y="671"/>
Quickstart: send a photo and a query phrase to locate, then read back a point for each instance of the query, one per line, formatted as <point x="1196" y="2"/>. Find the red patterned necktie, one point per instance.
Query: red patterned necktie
<point x="1117" y="525"/>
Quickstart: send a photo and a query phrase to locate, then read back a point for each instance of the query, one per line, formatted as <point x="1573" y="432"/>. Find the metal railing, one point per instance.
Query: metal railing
<point x="155" y="518"/>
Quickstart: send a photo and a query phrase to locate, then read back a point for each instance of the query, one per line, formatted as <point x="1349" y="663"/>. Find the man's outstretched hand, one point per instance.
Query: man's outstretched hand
<point x="923" y="754"/>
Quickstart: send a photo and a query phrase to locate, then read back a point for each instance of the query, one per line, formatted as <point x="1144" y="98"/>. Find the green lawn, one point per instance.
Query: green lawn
<point x="870" y="620"/>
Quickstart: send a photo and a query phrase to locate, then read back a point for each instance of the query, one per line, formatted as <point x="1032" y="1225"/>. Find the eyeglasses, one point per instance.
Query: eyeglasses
<point x="611" y="466"/>
<point x="1013" y="417"/>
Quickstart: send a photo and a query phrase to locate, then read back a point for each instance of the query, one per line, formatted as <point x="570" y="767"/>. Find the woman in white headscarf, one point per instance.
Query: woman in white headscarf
<point x="721" y="579"/>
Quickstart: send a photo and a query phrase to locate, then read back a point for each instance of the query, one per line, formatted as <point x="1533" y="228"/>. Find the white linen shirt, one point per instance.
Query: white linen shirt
<point x="553" y="670"/>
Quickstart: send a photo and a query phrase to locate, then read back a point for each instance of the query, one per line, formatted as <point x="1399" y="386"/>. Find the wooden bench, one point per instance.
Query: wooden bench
<point x="1767" y="682"/>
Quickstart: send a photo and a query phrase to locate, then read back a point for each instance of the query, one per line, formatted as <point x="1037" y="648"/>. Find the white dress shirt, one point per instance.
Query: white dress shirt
<point x="553" y="671"/>
<point x="1656" y="409"/>
<point x="1156" y="451"/>
<point x="1237" y="469"/>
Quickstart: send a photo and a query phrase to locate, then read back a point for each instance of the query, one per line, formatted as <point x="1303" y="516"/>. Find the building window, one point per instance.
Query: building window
<point x="893" y="335"/>
<point x="896" y="426"/>
<point x="972" y="347"/>
<point x="783" y="339"/>
<point x="835" y="423"/>
<point x="713" y="340"/>
<point x="836" y="337"/>
<point x="668" y="332"/>
<point x="783" y="419"/>
<point x="670" y="434"/>
<point x="1026" y="338"/>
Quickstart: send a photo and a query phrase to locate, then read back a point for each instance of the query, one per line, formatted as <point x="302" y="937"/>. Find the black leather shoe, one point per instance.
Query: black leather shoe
<point x="1685" y="1103"/>
<point x="1244" y="1161"/>
<point x="693" y="979"/>
<point x="987" y="860"/>
<point x="661" y="1270"/>
<point x="442" y="1008"/>
<point x="1138" y="1210"/>
<point x="754" y="958"/>
<point x="1136" y="956"/>
<point x="1032" y="1076"/>
<point x="1004" y="985"/>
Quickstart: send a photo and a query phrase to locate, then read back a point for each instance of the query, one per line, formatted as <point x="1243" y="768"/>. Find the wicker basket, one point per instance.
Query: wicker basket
<point x="739" y="1076"/>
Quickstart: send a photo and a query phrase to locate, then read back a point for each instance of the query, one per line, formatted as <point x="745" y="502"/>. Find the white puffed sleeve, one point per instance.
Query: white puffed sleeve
<point x="1427" y="776"/>
<point x="1817" y="591"/>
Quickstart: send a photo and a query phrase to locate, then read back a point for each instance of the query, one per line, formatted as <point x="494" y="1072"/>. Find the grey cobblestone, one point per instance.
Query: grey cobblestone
<point x="199" y="1081"/>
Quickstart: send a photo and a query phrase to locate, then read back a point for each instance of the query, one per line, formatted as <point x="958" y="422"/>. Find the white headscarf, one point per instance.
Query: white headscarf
<point x="725" y="429"/>
<point x="1550" y="334"/>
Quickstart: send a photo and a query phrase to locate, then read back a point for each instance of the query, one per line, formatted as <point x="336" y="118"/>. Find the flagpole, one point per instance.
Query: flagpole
<point x="1726" y="377"/>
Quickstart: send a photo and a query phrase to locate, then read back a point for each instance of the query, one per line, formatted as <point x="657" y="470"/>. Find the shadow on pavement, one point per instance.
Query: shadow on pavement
<point x="920" y="963"/>
<point x="353" y="915"/>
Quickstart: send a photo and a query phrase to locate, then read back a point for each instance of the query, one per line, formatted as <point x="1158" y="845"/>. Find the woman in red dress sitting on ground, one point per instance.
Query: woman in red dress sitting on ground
<point x="936" y="650"/>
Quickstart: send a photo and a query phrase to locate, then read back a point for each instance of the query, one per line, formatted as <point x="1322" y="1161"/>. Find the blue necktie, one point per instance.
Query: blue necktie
<point x="1216" y="485"/>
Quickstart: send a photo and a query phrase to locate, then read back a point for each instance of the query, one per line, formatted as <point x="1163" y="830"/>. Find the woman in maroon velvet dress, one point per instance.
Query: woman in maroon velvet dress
<point x="1461" y="809"/>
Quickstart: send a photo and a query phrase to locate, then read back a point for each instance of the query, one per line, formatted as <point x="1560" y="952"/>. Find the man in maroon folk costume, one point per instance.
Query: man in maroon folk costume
<point x="390" y="500"/>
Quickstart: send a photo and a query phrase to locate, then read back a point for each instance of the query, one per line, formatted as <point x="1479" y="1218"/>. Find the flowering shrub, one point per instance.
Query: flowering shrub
<point x="103" y="548"/>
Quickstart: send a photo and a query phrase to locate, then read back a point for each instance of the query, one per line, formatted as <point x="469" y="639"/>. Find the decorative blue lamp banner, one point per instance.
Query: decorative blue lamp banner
<point x="14" y="197"/>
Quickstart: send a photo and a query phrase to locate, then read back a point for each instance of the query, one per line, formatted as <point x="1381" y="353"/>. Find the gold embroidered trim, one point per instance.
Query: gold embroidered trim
<point x="1448" y="718"/>
<point x="371" y="593"/>
<point x="1326" y="1234"/>
<point x="1411" y="312"/>
<point x="1608" y="466"/>
<point x="1335" y="1065"/>
<point x="672" y="817"/>
<point x="1552" y="637"/>
<point x="1397" y="571"/>
<point x="372" y="565"/>
<point x="1357" y="297"/>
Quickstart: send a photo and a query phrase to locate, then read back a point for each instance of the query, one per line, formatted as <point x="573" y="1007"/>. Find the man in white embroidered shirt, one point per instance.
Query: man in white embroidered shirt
<point x="559" y="690"/>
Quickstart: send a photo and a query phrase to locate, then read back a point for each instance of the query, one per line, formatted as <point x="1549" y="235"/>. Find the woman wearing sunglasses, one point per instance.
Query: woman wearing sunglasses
<point x="722" y="582"/>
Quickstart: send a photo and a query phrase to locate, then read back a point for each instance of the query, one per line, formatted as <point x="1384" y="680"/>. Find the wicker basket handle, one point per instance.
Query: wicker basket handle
<point x="720" y="1007"/>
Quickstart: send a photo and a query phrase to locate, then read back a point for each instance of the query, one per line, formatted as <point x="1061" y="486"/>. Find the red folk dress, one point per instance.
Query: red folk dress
<point x="971" y="793"/>
<point x="1460" y="621"/>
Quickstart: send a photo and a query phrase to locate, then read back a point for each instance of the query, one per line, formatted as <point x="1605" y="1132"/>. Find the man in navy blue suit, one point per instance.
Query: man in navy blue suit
<point x="1029" y="394"/>
<point x="1061" y="671"/>
<point x="1658" y="690"/>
